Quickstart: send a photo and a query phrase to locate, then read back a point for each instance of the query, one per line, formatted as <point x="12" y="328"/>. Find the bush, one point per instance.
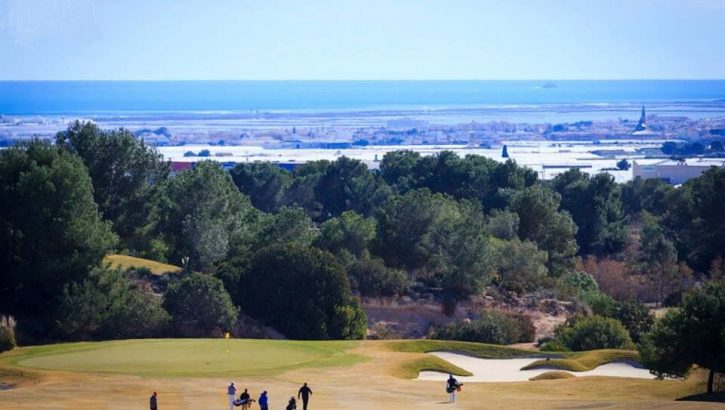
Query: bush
<point x="594" y="333"/>
<point x="580" y="282"/>
<point x="372" y="278"/>
<point x="553" y="345"/>
<point x="108" y="306"/>
<point x="7" y="333"/>
<point x="492" y="327"/>
<point x="600" y="303"/>
<point x="303" y="292"/>
<point x="140" y="315"/>
<point x="200" y="300"/>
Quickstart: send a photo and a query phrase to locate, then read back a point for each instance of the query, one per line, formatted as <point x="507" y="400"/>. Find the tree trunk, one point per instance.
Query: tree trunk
<point x="710" y="380"/>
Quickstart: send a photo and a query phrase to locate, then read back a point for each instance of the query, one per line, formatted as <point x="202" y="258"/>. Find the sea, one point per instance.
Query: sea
<point x="507" y="99"/>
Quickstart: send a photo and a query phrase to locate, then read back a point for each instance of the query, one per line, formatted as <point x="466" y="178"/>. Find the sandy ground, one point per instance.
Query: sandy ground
<point x="365" y="386"/>
<point x="508" y="370"/>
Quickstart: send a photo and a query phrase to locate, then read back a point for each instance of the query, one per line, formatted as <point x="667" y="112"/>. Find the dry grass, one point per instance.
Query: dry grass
<point x="552" y="376"/>
<point x="583" y="361"/>
<point x="367" y="384"/>
<point x="480" y="350"/>
<point x="128" y="262"/>
<point x="410" y="370"/>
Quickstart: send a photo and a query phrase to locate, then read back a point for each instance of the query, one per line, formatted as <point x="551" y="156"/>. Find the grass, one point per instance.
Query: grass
<point x="411" y="369"/>
<point x="480" y="350"/>
<point x="127" y="262"/>
<point x="552" y="376"/>
<point x="186" y="357"/>
<point x="583" y="361"/>
<point x="343" y="375"/>
<point x="569" y="361"/>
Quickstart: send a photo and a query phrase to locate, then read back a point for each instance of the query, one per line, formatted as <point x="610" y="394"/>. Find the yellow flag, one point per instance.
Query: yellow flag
<point x="226" y="335"/>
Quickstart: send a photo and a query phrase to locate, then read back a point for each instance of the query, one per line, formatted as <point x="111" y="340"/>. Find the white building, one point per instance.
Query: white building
<point x="674" y="172"/>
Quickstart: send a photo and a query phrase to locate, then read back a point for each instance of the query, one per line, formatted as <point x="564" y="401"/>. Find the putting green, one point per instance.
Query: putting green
<point x="189" y="357"/>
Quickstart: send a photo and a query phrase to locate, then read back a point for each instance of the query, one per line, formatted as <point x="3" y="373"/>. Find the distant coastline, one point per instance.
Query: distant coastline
<point x="251" y="97"/>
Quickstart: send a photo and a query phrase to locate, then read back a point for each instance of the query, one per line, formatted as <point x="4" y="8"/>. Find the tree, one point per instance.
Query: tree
<point x="645" y="195"/>
<point x="287" y="225"/>
<point x="199" y="213"/>
<point x="693" y="334"/>
<point x="657" y="256"/>
<point x="541" y="222"/>
<point x="462" y="253"/>
<point x="348" y="185"/>
<point x="635" y="317"/>
<point x="50" y="229"/>
<point x="520" y="266"/>
<point x="107" y="306"/>
<point x="596" y="208"/>
<point x="303" y="292"/>
<point x="371" y="277"/>
<point x="301" y="190"/>
<point x="503" y="224"/>
<point x="350" y="233"/>
<point x="436" y="238"/>
<point x="124" y="172"/>
<point x="695" y="215"/>
<point x="623" y="164"/>
<point x="263" y="182"/>
<point x="404" y="227"/>
<point x="396" y="169"/>
<point x="200" y="300"/>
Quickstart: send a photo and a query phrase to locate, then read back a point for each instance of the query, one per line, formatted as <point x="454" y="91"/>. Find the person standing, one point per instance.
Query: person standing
<point x="263" y="401"/>
<point x="451" y="387"/>
<point x="244" y="399"/>
<point x="153" y="405"/>
<point x="232" y="394"/>
<point x="305" y="394"/>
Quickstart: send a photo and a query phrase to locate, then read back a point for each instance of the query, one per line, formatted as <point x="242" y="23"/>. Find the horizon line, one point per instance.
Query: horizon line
<point x="360" y="80"/>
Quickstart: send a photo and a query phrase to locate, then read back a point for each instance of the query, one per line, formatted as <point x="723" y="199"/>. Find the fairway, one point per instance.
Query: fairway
<point x="128" y="262"/>
<point x="192" y="374"/>
<point x="189" y="357"/>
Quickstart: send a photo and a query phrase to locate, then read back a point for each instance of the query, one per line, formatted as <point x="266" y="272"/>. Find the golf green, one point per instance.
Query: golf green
<point x="189" y="357"/>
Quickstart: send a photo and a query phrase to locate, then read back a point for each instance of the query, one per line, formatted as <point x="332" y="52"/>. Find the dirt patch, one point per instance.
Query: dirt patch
<point x="408" y="318"/>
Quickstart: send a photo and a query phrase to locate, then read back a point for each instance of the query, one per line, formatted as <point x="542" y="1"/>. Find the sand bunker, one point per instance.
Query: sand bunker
<point x="509" y="370"/>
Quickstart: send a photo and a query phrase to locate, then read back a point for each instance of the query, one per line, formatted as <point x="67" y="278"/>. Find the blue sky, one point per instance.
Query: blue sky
<point x="366" y="40"/>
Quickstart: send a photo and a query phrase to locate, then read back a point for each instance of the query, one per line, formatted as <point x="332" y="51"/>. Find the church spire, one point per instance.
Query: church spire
<point x="642" y="124"/>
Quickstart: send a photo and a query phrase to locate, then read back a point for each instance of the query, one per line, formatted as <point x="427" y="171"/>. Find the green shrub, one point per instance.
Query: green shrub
<point x="492" y="327"/>
<point x="600" y="303"/>
<point x="202" y="301"/>
<point x="372" y="278"/>
<point x="7" y="333"/>
<point x="108" y="306"/>
<point x="594" y="332"/>
<point x="303" y="292"/>
<point x="553" y="345"/>
<point x="580" y="282"/>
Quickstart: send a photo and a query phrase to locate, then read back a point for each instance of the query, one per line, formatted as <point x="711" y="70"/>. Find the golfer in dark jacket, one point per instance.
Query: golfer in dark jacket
<point x="305" y="394"/>
<point x="152" y="402"/>
<point x="263" y="400"/>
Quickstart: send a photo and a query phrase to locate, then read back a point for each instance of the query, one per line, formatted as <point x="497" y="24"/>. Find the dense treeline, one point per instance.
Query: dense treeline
<point x="291" y="248"/>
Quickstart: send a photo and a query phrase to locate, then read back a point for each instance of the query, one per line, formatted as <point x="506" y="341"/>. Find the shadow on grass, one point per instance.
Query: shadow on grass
<point x="717" y="397"/>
